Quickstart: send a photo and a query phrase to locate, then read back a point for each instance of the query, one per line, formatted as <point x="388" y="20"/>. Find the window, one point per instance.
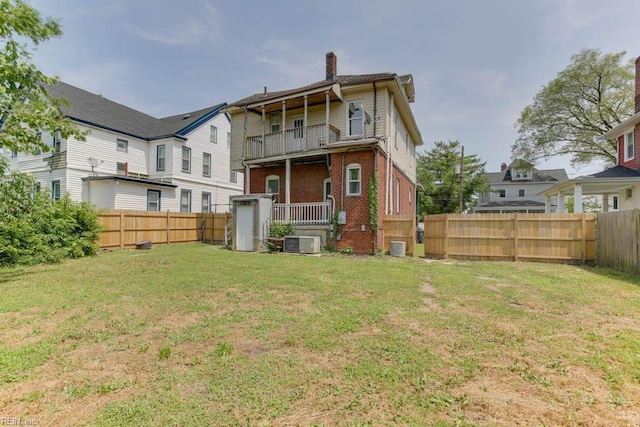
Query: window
<point x="122" y="145"/>
<point x="502" y="193"/>
<point x="521" y="192"/>
<point x="121" y="168"/>
<point x="14" y="154"/>
<point x="213" y="134"/>
<point x="55" y="190"/>
<point x="153" y="200"/>
<point x="206" y="202"/>
<point x="520" y="174"/>
<point x="185" y="200"/>
<point x="326" y="188"/>
<point x="233" y="177"/>
<point x="55" y="144"/>
<point x="629" y="193"/>
<point x="160" y="156"/>
<point x="276" y="122"/>
<point x="353" y="180"/>
<point x="37" y="150"/>
<point x="628" y="146"/>
<point x="186" y="159"/>
<point x="38" y="186"/>
<point x="206" y="164"/>
<point x="615" y="202"/>
<point x="228" y="139"/>
<point x="355" y="116"/>
<point x="272" y="184"/>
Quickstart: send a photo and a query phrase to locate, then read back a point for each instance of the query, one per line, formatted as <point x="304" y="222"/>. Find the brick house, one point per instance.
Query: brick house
<point x="317" y="149"/>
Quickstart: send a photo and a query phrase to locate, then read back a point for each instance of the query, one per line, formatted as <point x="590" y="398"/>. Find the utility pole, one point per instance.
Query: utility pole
<point x="461" y="177"/>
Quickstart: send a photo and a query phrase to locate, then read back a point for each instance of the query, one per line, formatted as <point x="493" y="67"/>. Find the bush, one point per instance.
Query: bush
<point x="36" y="230"/>
<point x="278" y="230"/>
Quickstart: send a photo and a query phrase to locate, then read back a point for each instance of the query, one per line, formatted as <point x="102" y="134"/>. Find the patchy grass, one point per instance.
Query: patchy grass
<point x="196" y="335"/>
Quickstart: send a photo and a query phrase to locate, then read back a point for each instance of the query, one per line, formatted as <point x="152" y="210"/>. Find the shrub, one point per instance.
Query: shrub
<point x="278" y="230"/>
<point x="36" y="230"/>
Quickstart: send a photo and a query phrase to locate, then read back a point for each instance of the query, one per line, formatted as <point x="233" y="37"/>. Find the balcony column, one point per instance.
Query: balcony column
<point x="284" y="127"/>
<point x="605" y="203"/>
<point x="577" y="198"/>
<point x="247" y="180"/>
<point x="560" y="208"/>
<point x="287" y="188"/>
<point x="264" y="120"/>
<point x="305" y="121"/>
<point x="326" y="119"/>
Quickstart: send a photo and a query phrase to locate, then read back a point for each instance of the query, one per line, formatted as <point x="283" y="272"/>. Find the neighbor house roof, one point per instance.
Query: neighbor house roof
<point x="95" y="110"/>
<point x="546" y="175"/>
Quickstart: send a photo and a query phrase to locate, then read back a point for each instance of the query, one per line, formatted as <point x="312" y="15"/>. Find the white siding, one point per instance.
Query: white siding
<point x="101" y="194"/>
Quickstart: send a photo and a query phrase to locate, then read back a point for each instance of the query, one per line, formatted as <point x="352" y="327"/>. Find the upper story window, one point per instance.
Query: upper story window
<point x="355" y="118"/>
<point x="213" y="134"/>
<point x="186" y="159"/>
<point x="628" y="146"/>
<point x="272" y="184"/>
<point x="55" y="144"/>
<point x="354" y="178"/>
<point x="14" y="154"/>
<point x="206" y="164"/>
<point x="521" y="174"/>
<point x="122" y="145"/>
<point x="160" y="157"/>
<point x="121" y="168"/>
<point x="36" y="149"/>
<point x="275" y="122"/>
<point x="521" y="192"/>
<point x="502" y="193"/>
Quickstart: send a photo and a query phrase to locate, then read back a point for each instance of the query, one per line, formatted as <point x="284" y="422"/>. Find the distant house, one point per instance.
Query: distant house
<point x="517" y="188"/>
<point x="131" y="160"/>
<point x="320" y="147"/>
<point x="619" y="186"/>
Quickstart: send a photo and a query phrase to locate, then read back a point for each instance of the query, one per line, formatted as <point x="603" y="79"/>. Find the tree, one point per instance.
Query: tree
<point x="439" y="181"/>
<point x="25" y="106"/>
<point x="573" y="111"/>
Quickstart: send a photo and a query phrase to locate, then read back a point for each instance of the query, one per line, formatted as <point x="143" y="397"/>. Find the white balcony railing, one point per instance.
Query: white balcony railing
<point x="318" y="213"/>
<point x="290" y="141"/>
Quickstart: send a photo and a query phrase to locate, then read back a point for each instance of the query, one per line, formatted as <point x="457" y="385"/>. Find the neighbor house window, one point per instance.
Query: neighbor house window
<point x="353" y="180"/>
<point x="521" y="192"/>
<point x="213" y="134"/>
<point x="520" y="174"/>
<point x="206" y="164"/>
<point x="36" y="150"/>
<point x="122" y="145"/>
<point x="615" y="202"/>
<point x="355" y="118"/>
<point x="228" y="139"/>
<point x="185" y="200"/>
<point x="272" y="184"/>
<point x="233" y="177"/>
<point x="629" y="193"/>
<point x="502" y="193"/>
<point x="38" y="186"/>
<point x="628" y="146"/>
<point x="206" y="202"/>
<point x="186" y="159"/>
<point x="55" y="144"/>
<point x="14" y="154"/>
<point x="160" y="156"/>
<point x="55" y="190"/>
<point x="153" y="200"/>
<point x="121" y="168"/>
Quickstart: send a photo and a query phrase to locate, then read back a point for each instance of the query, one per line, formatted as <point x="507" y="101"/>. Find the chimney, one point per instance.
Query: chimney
<point x="503" y="166"/>
<point x="332" y="66"/>
<point x="638" y="85"/>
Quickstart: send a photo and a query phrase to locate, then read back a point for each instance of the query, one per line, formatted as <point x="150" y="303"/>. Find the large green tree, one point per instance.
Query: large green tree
<point x="570" y="115"/>
<point x="439" y="179"/>
<point x="25" y="106"/>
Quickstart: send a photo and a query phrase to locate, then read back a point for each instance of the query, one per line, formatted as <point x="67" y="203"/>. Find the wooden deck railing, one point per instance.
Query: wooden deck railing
<point x="290" y="141"/>
<point x="318" y="213"/>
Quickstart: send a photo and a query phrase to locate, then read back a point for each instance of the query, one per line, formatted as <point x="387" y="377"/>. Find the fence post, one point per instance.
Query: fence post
<point x="584" y="238"/>
<point x="446" y="235"/>
<point x="168" y="227"/>
<point x="121" y="229"/>
<point x="515" y="236"/>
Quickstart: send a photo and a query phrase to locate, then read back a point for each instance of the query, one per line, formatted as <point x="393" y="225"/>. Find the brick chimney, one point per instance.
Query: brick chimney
<point x="332" y="66"/>
<point x="638" y="84"/>
<point x="503" y="166"/>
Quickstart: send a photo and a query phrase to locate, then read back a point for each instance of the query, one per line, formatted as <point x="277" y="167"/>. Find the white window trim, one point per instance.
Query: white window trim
<point x="350" y="167"/>
<point x="213" y="134"/>
<point x="266" y="183"/>
<point x="202" y="199"/>
<point x="324" y="188"/>
<point x="182" y="159"/>
<point x="157" y="202"/>
<point x="626" y="146"/>
<point x="204" y="156"/>
<point x="349" y="119"/>
<point x="164" y="157"/>
<point x="183" y="191"/>
<point x="122" y="145"/>
<point x="55" y="196"/>
<point x="233" y="176"/>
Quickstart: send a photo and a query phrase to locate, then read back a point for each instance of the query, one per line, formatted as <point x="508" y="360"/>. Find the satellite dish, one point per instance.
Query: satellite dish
<point x="93" y="162"/>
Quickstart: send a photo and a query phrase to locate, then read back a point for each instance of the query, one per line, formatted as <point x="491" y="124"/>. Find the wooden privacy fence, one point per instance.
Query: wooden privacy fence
<point x="401" y="228"/>
<point x="618" y="240"/>
<point x="123" y="229"/>
<point x="562" y="238"/>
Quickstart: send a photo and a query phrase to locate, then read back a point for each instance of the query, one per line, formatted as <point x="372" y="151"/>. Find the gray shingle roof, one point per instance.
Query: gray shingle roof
<point x="89" y="108"/>
<point x="507" y="203"/>
<point x="346" y="80"/>
<point x="545" y="175"/>
<point x="617" y="171"/>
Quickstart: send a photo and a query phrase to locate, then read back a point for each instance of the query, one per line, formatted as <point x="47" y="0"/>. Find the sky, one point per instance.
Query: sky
<point x="476" y="63"/>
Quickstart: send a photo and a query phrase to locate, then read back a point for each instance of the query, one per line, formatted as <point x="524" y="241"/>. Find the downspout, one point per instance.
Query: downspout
<point x="375" y="108"/>
<point x="247" y="178"/>
<point x="374" y="232"/>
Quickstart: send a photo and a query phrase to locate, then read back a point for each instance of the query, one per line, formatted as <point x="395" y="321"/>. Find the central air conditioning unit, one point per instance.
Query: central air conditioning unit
<point x="302" y="244"/>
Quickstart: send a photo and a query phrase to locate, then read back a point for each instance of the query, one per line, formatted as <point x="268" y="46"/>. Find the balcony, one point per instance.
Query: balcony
<point x="57" y="160"/>
<point x="291" y="141"/>
<point x="318" y="213"/>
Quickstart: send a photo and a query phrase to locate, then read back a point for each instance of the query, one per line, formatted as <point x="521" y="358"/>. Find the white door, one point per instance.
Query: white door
<point x="244" y="227"/>
<point x="297" y="142"/>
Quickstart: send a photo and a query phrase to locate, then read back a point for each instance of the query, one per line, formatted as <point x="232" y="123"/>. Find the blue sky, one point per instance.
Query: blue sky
<point x="476" y="63"/>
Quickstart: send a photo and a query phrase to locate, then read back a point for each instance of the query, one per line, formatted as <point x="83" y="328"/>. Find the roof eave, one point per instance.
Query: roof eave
<point x="619" y="129"/>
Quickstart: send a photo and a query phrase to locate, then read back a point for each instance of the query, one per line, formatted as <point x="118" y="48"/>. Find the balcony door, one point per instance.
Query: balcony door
<point x="296" y="142"/>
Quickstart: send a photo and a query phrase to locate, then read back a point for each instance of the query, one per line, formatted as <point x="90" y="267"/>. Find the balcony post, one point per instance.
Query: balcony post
<point x="264" y="116"/>
<point x="326" y="119"/>
<point x="287" y="189"/>
<point x="305" y="121"/>
<point x="284" y="126"/>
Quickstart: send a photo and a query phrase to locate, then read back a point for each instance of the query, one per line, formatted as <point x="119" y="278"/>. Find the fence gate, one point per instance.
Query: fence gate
<point x="618" y="240"/>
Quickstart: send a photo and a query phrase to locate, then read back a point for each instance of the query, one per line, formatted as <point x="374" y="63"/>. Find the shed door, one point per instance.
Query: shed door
<point x="244" y="227"/>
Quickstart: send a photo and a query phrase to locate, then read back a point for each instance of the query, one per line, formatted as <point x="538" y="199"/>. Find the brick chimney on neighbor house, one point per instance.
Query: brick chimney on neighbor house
<point x="332" y="66"/>
<point x="638" y="84"/>
<point x="503" y="166"/>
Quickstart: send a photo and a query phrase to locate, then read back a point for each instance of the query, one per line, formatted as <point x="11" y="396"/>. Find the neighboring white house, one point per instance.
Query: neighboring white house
<point x="517" y="188"/>
<point x="131" y="160"/>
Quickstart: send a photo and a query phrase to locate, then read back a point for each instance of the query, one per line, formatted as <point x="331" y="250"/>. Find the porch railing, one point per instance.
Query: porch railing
<point x="290" y="141"/>
<point x="318" y="213"/>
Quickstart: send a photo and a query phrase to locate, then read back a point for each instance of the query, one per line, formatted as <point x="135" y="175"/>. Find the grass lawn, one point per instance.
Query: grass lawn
<point x="195" y="335"/>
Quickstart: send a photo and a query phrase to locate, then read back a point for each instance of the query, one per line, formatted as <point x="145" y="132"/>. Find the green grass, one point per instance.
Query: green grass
<point x="196" y="335"/>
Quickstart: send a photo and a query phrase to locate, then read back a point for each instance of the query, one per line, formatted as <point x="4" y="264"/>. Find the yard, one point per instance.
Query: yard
<point x="194" y="335"/>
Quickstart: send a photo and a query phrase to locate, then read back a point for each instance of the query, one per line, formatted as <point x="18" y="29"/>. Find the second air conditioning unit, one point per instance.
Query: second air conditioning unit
<point x="302" y="244"/>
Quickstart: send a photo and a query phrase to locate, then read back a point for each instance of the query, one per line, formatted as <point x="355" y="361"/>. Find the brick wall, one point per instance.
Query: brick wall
<point x="306" y="181"/>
